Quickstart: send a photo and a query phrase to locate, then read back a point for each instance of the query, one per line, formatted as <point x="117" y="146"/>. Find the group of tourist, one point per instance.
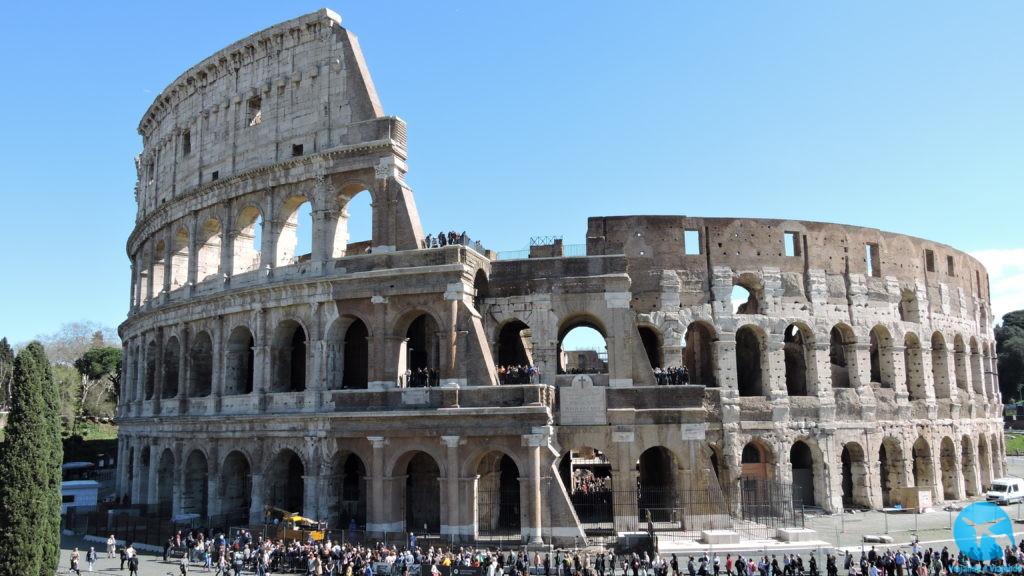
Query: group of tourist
<point x="928" y="562"/>
<point x="445" y="239"/>
<point x="420" y="378"/>
<point x="521" y="374"/>
<point x="591" y="484"/>
<point x="671" y="376"/>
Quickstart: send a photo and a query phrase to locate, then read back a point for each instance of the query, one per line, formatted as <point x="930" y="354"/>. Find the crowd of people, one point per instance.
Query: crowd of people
<point x="420" y="378"/>
<point x="449" y="238"/>
<point x="672" y="376"/>
<point x="521" y="374"/>
<point x="590" y="484"/>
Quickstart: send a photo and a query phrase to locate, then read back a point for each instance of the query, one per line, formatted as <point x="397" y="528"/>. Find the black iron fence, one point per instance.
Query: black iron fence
<point x="769" y="503"/>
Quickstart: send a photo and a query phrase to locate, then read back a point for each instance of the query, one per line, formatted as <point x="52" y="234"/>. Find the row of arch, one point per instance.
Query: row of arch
<point x="208" y="246"/>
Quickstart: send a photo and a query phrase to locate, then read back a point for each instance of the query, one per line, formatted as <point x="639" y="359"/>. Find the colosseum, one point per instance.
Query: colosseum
<point x="364" y="383"/>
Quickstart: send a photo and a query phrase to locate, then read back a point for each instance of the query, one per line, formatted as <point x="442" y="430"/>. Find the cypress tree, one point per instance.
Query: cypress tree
<point x="30" y="460"/>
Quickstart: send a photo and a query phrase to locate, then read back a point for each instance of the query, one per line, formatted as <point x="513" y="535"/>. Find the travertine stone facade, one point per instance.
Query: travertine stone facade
<point x="862" y="362"/>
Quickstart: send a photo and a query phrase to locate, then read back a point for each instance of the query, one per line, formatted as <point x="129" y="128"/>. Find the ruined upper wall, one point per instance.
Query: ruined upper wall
<point x="293" y="89"/>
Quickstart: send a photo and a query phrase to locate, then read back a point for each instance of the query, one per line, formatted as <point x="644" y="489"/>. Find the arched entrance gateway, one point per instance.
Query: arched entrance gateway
<point x="236" y="487"/>
<point x="285" y="489"/>
<point x="855" y="476"/>
<point x="890" y="471"/>
<point x="194" y="497"/>
<point x="498" y="511"/>
<point x="422" y="494"/>
<point x="348" y="494"/>
<point x="803" y="474"/>
<point x="656" y="486"/>
<point x="587" y="476"/>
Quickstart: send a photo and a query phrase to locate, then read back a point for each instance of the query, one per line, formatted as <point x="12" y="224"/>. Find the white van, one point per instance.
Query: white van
<point x="1006" y="490"/>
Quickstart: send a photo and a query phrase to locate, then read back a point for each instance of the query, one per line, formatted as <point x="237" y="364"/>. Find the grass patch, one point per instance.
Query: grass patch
<point x="96" y="441"/>
<point x="1014" y="444"/>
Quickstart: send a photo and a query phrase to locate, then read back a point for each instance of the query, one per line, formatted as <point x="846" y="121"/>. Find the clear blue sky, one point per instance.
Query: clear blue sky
<point x="527" y="117"/>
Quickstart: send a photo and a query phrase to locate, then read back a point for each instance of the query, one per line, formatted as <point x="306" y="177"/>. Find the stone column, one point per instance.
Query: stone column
<point x="534" y="443"/>
<point x="178" y="487"/>
<point x="451" y="503"/>
<point x="376" y="506"/>
<point x="256" y="500"/>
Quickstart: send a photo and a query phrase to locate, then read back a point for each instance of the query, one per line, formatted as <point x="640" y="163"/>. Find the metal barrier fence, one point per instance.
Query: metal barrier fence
<point x="769" y="503"/>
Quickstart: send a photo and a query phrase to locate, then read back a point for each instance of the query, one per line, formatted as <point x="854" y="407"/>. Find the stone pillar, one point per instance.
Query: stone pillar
<point x="624" y="474"/>
<point x="184" y="367"/>
<point x="620" y="349"/>
<point x="724" y="351"/>
<point x="453" y="524"/>
<point x="256" y="513"/>
<point x="178" y="486"/>
<point x="534" y="443"/>
<point x="376" y="506"/>
<point x="773" y="368"/>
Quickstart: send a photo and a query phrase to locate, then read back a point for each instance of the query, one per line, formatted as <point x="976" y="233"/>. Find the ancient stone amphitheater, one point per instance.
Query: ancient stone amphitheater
<point x="858" y="372"/>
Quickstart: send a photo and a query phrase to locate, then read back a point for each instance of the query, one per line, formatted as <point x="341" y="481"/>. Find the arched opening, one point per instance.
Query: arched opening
<point x="208" y="248"/>
<point x="914" y="367"/>
<point x="515" y="346"/>
<point x="697" y="356"/>
<point x="797" y="346"/>
<point x="195" y="494"/>
<point x="179" y="259"/>
<point x="172" y="363"/>
<point x="839" y="338"/>
<point x="657" y="485"/>
<point x="969" y="467"/>
<point x="422" y="352"/>
<point x="422" y="495"/>
<point x="498" y="508"/>
<point x="165" y="484"/>
<point x="651" y="341"/>
<point x="240" y="362"/>
<point x="348" y="510"/>
<point x="855" y="476"/>
<point x="960" y="362"/>
<point x="158" y="268"/>
<point x="881" y="357"/>
<point x="802" y="466"/>
<point x="890" y="471"/>
<point x="587" y="475"/>
<point x="201" y="357"/>
<point x="354" y="232"/>
<point x="480" y="290"/>
<point x="246" y="241"/>
<point x="355" y="368"/>
<point x="152" y="354"/>
<point x="235" y="489"/>
<point x="582" y="348"/>
<point x="940" y="366"/>
<point x="754" y="461"/>
<point x="948" y="467"/>
<point x="289" y="358"/>
<point x="924" y="467"/>
<point x="745" y="299"/>
<point x="908" y="307"/>
<point x="756" y="485"/>
<point x="749" y="356"/>
<point x="984" y="462"/>
<point x="295" y="238"/>
<point x="285" y="488"/>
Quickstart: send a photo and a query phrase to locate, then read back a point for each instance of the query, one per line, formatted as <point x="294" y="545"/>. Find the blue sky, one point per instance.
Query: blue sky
<point x="525" y="118"/>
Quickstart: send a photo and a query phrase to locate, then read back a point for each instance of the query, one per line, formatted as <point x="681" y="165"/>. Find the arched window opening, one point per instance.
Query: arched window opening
<point x="201" y="358"/>
<point x="880" y="349"/>
<point x="582" y="349"/>
<point x="651" y="341"/>
<point x="422" y="495"/>
<point x="194" y="496"/>
<point x="179" y="259"/>
<point x="355" y="361"/>
<point x="657" y="485"/>
<point x="240" y="362"/>
<point x="247" y="241"/>
<point x="914" y="366"/>
<point x="748" y="362"/>
<point x="587" y="476"/>
<point x="802" y="467"/>
<point x="960" y="362"/>
<point x="796" y="350"/>
<point x="157" y="270"/>
<point x="754" y="461"/>
<point x="515" y="351"/>
<point x="480" y="290"/>
<point x="908" y="307"/>
<point x="350" y="494"/>
<point x="290" y="358"/>
<point x="923" y="465"/>
<point x="498" y="507"/>
<point x="165" y="484"/>
<point x="172" y="373"/>
<point x="969" y="467"/>
<point x="948" y="466"/>
<point x="295" y="238"/>
<point x="744" y="300"/>
<point x="422" y="353"/>
<point x="353" y="234"/>
<point x="208" y="243"/>
<point x="235" y="491"/>
<point x="838" y="340"/>
<point x="855" y="475"/>
<point x="285" y="487"/>
<point x="890" y="471"/>
<point x="940" y="366"/>
<point x="698" y="358"/>
<point x="151" y="367"/>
